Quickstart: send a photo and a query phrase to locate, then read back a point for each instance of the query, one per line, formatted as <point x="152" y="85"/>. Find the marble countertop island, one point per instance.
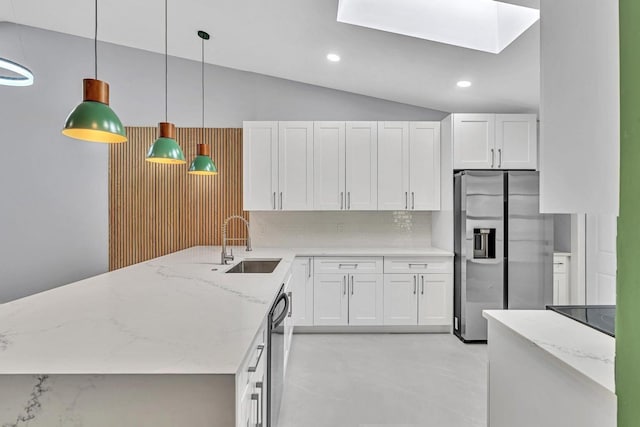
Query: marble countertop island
<point x="169" y="315"/>
<point x="577" y="347"/>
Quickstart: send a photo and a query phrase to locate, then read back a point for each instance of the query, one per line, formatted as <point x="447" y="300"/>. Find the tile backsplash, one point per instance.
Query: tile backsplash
<point x="394" y="229"/>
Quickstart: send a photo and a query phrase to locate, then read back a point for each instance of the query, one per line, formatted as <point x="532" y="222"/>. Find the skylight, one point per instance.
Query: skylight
<point x="484" y="25"/>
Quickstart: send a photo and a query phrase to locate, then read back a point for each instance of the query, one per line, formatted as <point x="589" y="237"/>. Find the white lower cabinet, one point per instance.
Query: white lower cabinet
<point x="418" y="299"/>
<point x="348" y="299"/>
<point x="330" y="301"/>
<point x="435" y="299"/>
<point x="400" y="299"/>
<point x="365" y="299"/>
<point x="561" y="283"/>
<point x="302" y="291"/>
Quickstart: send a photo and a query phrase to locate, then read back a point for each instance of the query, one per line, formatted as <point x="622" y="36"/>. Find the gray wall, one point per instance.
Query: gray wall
<point x="54" y="212"/>
<point x="562" y="232"/>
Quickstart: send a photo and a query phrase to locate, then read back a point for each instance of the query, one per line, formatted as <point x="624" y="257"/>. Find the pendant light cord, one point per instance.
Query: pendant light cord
<point x="203" y="91"/>
<point x="166" y="65"/>
<point x="95" y="42"/>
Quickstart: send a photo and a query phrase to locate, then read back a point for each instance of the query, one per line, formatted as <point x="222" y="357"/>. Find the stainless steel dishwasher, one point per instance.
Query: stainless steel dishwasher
<point x="275" y="356"/>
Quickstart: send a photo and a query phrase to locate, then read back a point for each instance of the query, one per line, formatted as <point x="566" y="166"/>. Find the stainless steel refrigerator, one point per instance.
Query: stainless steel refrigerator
<point x="503" y="248"/>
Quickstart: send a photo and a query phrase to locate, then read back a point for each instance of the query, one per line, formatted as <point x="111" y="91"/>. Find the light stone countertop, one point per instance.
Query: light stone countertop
<point x="577" y="346"/>
<point x="169" y="315"/>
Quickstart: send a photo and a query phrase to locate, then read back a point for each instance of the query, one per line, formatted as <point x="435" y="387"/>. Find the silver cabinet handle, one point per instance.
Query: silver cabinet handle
<point x="344" y="285"/>
<point x="309" y="267"/>
<point x="354" y="265"/>
<point x="422" y="290"/>
<point x="349" y="200"/>
<point x="256" y="397"/>
<point x="274" y="200"/>
<point x="499" y="157"/>
<point x="291" y="304"/>
<point x="413" y="200"/>
<point x="492" y="157"/>
<point x="351" y="285"/>
<point x="425" y="265"/>
<point x="259" y="420"/>
<point x="260" y="349"/>
<point x="281" y="200"/>
<point x="415" y="284"/>
<point x="406" y="200"/>
<point x="341" y="200"/>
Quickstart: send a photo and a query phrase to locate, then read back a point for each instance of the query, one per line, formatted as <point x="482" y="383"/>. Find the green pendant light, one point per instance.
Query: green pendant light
<point x="166" y="149"/>
<point x="93" y="120"/>
<point x="202" y="164"/>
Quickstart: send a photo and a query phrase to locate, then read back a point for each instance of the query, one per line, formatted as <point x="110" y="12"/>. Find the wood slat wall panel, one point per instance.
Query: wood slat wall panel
<point x="157" y="209"/>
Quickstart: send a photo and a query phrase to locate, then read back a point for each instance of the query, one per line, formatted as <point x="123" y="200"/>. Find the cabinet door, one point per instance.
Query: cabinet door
<point x="295" y="166"/>
<point x="260" y="165"/>
<point x="330" y="301"/>
<point x="393" y="166"/>
<point x="474" y="141"/>
<point x="365" y="299"/>
<point x="302" y="292"/>
<point x="424" y="166"/>
<point x="435" y="305"/>
<point x="400" y="299"/>
<point x="361" y="166"/>
<point x="329" y="165"/>
<point x="516" y="141"/>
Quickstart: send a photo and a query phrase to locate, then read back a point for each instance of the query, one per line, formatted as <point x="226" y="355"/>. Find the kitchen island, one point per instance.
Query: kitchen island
<point x="546" y="369"/>
<point x="166" y="342"/>
<point x="160" y="343"/>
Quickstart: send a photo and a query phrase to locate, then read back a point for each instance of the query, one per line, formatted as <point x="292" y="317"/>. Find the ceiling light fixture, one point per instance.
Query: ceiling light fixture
<point x="93" y="120"/>
<point x="166" y="149"/>
<point x="464" y="83"/>
<point x="25" y="75"/>
<point x="333" y="57"/>
<point x="202" y="163"/>
<point x="485" y="25"/>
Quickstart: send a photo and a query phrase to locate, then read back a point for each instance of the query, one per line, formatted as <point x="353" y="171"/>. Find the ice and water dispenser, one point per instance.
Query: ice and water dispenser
<point x="484" y="243"/>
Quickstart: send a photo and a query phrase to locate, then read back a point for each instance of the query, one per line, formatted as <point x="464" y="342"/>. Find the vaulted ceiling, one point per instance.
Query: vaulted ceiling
<point x="291" y="38"/>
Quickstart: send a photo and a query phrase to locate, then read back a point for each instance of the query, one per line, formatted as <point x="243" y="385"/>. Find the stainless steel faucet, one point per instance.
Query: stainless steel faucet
<point x="225" y="258"/>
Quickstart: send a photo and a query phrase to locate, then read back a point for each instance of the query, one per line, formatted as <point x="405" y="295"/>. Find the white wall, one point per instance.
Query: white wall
<point x="400" y="229"/>
<point x="579" y="106"/>
<point x="601" y="259"/>
<point x="54" y="213"/>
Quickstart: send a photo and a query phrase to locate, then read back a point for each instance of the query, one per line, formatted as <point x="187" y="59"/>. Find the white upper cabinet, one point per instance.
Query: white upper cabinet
<point x="424" y="166"/>
<point x="361" y="158"/>
<point x="260" y="165"/>
<point x="329" y="165"/>
<point x="495" y="141"/>
<point x="295" y="166"/>
<point x="408" y="166"/>
<point x="393" y="166"/>
<point x="473" y="141"/>
<point x="516" y="141"/>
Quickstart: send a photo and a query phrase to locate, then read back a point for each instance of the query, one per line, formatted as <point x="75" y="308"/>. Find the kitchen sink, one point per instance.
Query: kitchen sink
<point x="255" y="266"/>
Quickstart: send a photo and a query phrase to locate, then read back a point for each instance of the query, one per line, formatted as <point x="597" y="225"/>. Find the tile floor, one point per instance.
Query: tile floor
<point x="384" y="380"/>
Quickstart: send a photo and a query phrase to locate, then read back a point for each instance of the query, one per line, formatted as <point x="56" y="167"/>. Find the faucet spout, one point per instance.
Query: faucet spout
<point x="224" y="257"/>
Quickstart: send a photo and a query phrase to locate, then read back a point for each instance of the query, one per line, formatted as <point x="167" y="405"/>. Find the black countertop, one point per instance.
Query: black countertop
<point x="599" y="317"/>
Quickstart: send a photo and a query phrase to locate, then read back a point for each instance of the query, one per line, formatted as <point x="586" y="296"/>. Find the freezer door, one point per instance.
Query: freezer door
<point x="529" y="244"/>
<point x="482" y="267"/>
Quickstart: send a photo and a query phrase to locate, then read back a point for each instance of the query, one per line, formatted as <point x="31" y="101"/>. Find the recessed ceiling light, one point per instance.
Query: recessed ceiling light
<point x="485" y="25"/>
<point x="333" y="57"/>
<point x="464" y="83"/>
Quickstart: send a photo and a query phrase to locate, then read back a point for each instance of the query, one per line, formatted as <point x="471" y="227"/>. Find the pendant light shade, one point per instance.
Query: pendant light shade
<point x="166" y="149"/>
<point x="203" y="164"/>
<point x="93" y="120"/>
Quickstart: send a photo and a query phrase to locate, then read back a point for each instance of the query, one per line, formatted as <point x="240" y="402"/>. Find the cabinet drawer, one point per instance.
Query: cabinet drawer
<point x="559" y="265"/>
<point x="254" y="362"/>
<point x="369" y="265"/>
<point x="436" y="265"/>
